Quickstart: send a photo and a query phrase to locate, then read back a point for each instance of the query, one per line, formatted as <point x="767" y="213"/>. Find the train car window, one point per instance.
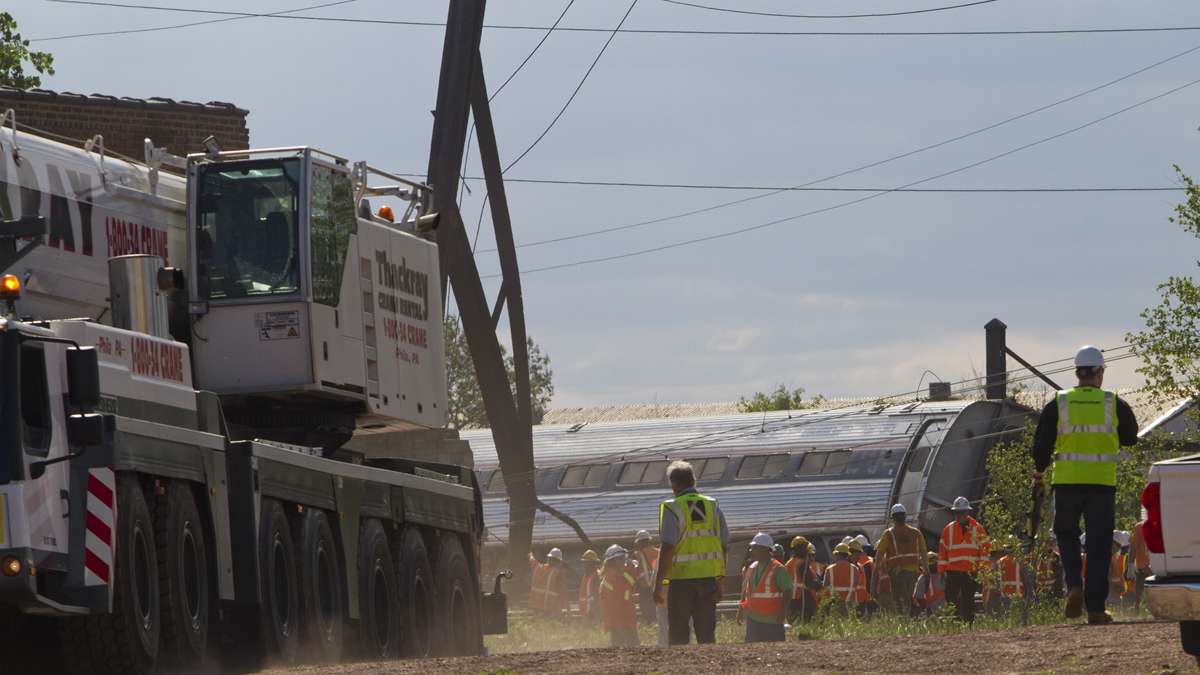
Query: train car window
<point x="596" y="475"/>
<point x="916" y="464"/>
<point x="714" y="468"/>
<point x="584" y="476"/>
<point x="812" y="464"/>
<point x="656" y="472"/>
<point x="762" y="466"/>
<point x="836" y="462"/>
<point x="641" y="473"/>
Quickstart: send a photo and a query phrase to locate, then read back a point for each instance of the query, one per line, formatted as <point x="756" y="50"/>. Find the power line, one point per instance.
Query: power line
<point x="659" y="31"/>
<point x="776" y="188"/>
<point x="152" y="29"/>
<point x="828" y="16"/>
<point x="771" y="223"/>
<point x="864" y="167"/>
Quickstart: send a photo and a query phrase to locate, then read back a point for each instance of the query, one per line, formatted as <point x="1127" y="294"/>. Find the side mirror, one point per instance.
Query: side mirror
<point x="83" y="378"/>
<point x="85" y="430"/>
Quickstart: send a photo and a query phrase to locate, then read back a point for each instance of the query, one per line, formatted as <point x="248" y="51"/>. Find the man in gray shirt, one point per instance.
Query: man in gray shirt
<point x="694" y="539"/>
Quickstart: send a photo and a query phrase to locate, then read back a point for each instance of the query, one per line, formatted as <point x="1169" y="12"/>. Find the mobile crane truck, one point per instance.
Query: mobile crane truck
<point x="174" y="490"/>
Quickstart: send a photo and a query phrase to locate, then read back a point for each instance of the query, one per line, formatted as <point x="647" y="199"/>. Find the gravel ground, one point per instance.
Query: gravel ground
<point x="1138" y="647"/>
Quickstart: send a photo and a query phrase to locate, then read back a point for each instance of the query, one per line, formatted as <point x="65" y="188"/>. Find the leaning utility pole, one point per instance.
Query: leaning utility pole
<point x="461" y="90"/>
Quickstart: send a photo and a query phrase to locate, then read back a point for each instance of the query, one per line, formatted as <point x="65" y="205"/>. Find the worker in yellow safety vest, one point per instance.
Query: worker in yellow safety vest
<point x="1081" y="431"/>
<point x="900" y="558"/>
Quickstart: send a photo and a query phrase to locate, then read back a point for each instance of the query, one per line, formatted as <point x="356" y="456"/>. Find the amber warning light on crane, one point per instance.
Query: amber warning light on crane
<point x="10" y="287"/>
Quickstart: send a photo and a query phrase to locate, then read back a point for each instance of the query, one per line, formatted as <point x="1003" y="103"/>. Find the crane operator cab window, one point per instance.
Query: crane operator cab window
<point x="247" y="238"/>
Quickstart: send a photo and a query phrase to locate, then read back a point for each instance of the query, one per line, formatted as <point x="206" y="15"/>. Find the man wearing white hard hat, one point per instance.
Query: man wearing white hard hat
<point x="548" y="589"/>
<point x="901" y="556"/>
<point x="1081" y="432"/>
<point x="962" y="551"/>
<point x="766" y="587"/>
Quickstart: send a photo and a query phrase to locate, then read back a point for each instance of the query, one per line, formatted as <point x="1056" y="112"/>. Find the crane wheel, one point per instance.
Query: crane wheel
<point x="417" y="594"/>
<point x="280" y="594"/>
<point x="322" y="595"/>
<point x="127" y="640"/>
<point x="459" y="627"/>
<point x="379" y="603"/>
<point x="183" y="568"/>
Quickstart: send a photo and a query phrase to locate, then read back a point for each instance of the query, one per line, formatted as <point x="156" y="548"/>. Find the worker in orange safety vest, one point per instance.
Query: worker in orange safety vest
<point x="806" y="582"/>
<point x="962" y="551"/>
<point x="842" y="579"/>
<point x="866" y="568"/>
<point x="766" y="588"/>
<point x="929" y="593"/>
<point x="617" y="587"/>
<point x="645" y="556"/>
<point x="548" y="590"/>
<point x="589" y="586"/>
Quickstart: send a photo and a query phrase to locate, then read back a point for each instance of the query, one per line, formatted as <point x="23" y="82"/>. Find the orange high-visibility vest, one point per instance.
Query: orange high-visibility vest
<point x="616" y="598"/>
<point x="647" y="565"/>
<point x="1137" y="546"/>
<point x="796" y="572"/>
<point x="1116" y="572"/>
<point x="764" y="598"/>
<point x="587" y="593"/>
<point x="963" y="551"/>
<point x="1010" y="578"/>
<point x="865" y="567"/>
<point x="935" y="589"/>
<point x="548" y="590"/>
<point x="841" y="580"/>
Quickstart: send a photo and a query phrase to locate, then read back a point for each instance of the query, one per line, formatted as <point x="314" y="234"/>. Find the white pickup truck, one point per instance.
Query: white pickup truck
<point x="1172" y="533"/>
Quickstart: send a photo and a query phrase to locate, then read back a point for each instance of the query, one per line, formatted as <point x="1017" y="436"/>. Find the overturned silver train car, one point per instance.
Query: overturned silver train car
<point x="822" y="473"/>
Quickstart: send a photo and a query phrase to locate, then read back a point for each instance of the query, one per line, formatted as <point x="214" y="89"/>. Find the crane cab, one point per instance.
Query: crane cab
<point x="303" y="309"/>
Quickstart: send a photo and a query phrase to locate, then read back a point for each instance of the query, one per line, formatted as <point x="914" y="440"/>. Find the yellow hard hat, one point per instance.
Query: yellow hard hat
<point x="842" y="548"/>
<point x="812" y="550"/>
<point x="590" y="556"/>
<point x="932" y="558"/>
<point x="800" y="542"/>
<point x="855" y="545"/>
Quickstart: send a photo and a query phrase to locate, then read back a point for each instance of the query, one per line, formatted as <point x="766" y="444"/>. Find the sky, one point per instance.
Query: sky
<point x="858" y="300"/>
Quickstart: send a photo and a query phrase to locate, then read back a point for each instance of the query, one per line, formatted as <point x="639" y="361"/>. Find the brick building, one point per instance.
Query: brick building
<point x="179" y="126"/>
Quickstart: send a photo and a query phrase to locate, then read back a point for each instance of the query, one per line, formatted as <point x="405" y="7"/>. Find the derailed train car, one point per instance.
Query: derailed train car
<point x="822" y="473"/>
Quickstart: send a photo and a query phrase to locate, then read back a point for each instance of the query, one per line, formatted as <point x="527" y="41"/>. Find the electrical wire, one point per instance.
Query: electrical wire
<point x="659" y="31"/>
<point x="152" y="29"/>
<point x="859" y="200"/>
<point x="775" y="188"/>
<point x="928" y="10"/>
<point x="870" y="165"/>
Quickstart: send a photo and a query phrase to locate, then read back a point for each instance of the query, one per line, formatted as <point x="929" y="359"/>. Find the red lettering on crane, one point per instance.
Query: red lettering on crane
<point x="160" y="360"/>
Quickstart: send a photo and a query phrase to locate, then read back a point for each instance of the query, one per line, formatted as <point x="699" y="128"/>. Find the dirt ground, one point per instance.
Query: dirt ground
<point x="1138" y="647"/>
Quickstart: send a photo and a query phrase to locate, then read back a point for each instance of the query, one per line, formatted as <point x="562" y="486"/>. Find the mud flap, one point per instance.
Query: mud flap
<point x="92" y="530"/>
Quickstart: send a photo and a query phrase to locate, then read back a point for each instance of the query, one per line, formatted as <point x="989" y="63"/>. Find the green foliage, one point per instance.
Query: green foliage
<point x="15" y="52"/>
<point x="780" y="399"/>
<point x="465" y="404"/>
<point x="1170" y="343"/>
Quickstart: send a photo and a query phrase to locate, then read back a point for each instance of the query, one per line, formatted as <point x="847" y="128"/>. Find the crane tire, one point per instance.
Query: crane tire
<point x="280" y="611"/>
<point x="379" y="603"/>
<point x="125" y="642"/>
<point x="183" y="581"/>
<point x="417" y="594"/>
<point x="322" y="598"/>
<point x="459" y="629"/>
<point x="1189" y="637"/>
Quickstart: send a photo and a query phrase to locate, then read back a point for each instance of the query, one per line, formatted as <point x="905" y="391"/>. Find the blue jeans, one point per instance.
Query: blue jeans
<point x="1095" y="504"/>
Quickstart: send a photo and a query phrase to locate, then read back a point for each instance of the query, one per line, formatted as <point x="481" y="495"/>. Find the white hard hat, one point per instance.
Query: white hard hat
<point x="615" y="551"/>
<point x="642" y="535"/>
<point x="862" y="539"/>
<point x="898" y="509"/>
<point x="555" y="553"/>
<point x="960" y="504"/>
<point x="1121" y="537"/>
<point x="1089" y="357"/>
<point x="762" y="539"/>
<point x="847" y="539"/>
<point x="1083" y="539"/>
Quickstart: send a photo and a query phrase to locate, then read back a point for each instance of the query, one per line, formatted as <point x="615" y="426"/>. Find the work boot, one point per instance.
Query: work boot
<point x="1074" y="603"/>
<point x="1099" y="618"/>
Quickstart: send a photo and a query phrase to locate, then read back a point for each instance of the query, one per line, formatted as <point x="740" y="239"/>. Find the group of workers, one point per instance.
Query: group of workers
<point x="678" y="585"/>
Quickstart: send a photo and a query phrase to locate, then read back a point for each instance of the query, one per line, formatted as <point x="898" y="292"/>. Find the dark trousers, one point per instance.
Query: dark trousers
<point x="960" y="591"/>
<point x="764" y="632"/>
<point x="646" y="605"/>
<point x="694" y="601"/>
<point x="1093" y="503"/>
<point x="802" y="609"/>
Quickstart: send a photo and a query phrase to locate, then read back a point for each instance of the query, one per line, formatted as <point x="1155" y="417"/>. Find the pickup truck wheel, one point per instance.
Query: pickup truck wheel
<point x="417" y="595"/>
<point x="379" y="628"/>
<point x="322" y="600"/>
<point x="280" y="593"/>
<point x="127" y="640"/>
<point x="182" y="578"/>
<point x="1189" y="636"/>
<point x="459" y="629"/>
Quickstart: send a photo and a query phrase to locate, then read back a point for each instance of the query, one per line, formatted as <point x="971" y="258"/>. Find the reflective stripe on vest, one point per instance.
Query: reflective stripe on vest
<point x="698" y="553"/>
<point x="1087" y="446"/>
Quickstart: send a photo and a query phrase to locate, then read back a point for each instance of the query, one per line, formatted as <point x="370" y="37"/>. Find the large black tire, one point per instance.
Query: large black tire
<point x="1189" y="636"/>
<point x="379" y="600"/>
<point x="280" y="615"/>
<point x="183" y="568"/>
<point x="125" y="642"/>
<point x="459" y="629"/>
<point x="417" y="595"/>
<point x="322" y="595"/>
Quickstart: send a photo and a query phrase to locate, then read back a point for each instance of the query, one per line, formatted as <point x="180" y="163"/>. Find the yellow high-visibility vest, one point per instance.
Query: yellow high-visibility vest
<point x="698" y="554"/>
<point x="1087" y="444"/>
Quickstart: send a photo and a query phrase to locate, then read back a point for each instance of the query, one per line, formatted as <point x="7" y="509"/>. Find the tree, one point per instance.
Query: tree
<point x="1169" y="345"/>
<point x="465" y="405"/>
<point x="780" y="399"/>
<point x="14" y="52"/>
